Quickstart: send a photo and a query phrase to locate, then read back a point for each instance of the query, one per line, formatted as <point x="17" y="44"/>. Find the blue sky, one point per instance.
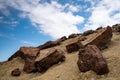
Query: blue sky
<point x="33" y="22"/>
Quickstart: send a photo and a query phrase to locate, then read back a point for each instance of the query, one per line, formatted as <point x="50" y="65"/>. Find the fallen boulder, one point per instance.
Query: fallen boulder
<point x="73" y="45"/>
<point x="90" y="58"/>
<point x="88" y="32"/>
<point x="16" y="72"/>
<point x="29" y="66"/>
<point x="49" y="44"/>
<point x="116" y="28"/>
<point x="82" y="38"/>
<point x="100" y="38"/>
<point x="48" y="58"/>
<point x="24" y="52"/>
<point x="72" y="36"/>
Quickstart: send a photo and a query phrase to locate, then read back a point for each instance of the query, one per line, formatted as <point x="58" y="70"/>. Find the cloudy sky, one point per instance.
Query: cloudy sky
<point x="33" y="22"/>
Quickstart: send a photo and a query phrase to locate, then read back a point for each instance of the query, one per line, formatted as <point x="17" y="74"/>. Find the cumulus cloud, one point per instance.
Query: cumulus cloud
<point x="49" y="18"/>
<point x="106" y="12"/>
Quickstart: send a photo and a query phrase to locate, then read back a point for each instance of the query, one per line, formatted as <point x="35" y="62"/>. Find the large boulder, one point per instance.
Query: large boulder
<point x="100" y="38"/>
<point x="82" y="38"/>
<point x="48" y="58"/>
<point x="16" y="72"/>
<point x="116" y="28"/>
<point x="62" y="39"/>
<point x="73" y="45"/>
<point x="90" y="58"/>
<point x="72" y="36"/>
<point x="49" y="44"/>
<point x="88" y="32"/>
<point x="29" y="66"/>
<point x="24" y="52"/>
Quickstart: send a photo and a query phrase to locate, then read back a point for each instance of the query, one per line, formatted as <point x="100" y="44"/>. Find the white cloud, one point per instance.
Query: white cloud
<point x="49" y="18"/>
<point x="106" y="12"/>
<point x="27" y="42"/>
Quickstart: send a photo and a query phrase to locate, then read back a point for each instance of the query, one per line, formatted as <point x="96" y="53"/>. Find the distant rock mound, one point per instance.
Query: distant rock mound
<point x="116" y="28"/>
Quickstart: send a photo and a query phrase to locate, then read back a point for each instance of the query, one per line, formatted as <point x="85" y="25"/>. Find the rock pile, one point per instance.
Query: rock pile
<point x="16" y="72"/>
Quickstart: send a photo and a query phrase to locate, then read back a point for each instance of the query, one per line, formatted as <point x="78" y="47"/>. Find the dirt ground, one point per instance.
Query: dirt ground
<point x="68" y="70"/>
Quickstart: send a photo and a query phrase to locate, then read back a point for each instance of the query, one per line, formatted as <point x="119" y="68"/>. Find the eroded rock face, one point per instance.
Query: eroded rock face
<point x="90" y="58"/>
<point x="49" y="44"/>
<point x="72" y="35"/>
<point x="26" y="52"/>
<point x="88" y="32"/>
<point x="16" y="72"/>
<point x="48" y="58"/>
<point x="101" y="38"/>
<point x="74" y="45"/>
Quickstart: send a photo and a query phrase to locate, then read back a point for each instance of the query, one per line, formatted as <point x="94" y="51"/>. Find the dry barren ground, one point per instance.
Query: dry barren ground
<point x="68" y="70"/>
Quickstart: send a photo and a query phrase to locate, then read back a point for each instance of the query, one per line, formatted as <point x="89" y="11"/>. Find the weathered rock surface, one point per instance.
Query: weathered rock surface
<point x="102" y="37"/>
<point x="116" y="28"/>
<point x="49" y="44"/>
<point x="73" y="45"/>
<point x="48" y="58"/>
<point x="29" y="66"/>
<point x="82" y="38"/>
<point x="90" y="58"/>
<point x="25" y="52"/>
<point x="88" y="32"/>
<point x="72" y="35"/>
<point x="16" y="72"/>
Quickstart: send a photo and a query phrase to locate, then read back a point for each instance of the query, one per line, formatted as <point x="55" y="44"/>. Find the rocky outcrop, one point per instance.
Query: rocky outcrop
<point x="88" y="32"/>
<point x="48" y="58"/>
<point x="24" y="52"/>
<point x="49" y="44"/>
<point x="73" y="45"/>
<point x="16" y="72"/>
<point x="90" y="58"/>
<point x="116" y="28"/>
<point x="99" y="28"/>
<point x="72" y="36"/>
<point x="101" y="38"/>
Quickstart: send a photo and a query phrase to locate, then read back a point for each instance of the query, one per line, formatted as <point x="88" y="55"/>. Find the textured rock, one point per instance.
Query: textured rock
<point x="74" y="45"/>
<point x="16" y="72"/>
<point x="29" y="66"/>
<point x="99" y="28"/>
<point x="82" y="38"/>
<point x="25" y="52"/>
<point x="72" y="35"/>
<point x="48" y="58"/>
<point x="49" y="44"/>
<point x="88" y="32"/>
<point x="101" y="38"/>
<point x="90" y="58"/>
<point x="116" y="28"/>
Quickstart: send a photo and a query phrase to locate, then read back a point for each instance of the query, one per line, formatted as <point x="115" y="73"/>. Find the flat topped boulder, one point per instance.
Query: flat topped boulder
<point x="90" y="58"/>
<point x="24" y="52"/>
<point x="100" y="38"/>
<point x="73" y="45"/>
<point x="47" y="58"/>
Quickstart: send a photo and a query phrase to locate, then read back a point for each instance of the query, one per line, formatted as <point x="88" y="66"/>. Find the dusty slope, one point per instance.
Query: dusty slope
<point x="68" y="70"/>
